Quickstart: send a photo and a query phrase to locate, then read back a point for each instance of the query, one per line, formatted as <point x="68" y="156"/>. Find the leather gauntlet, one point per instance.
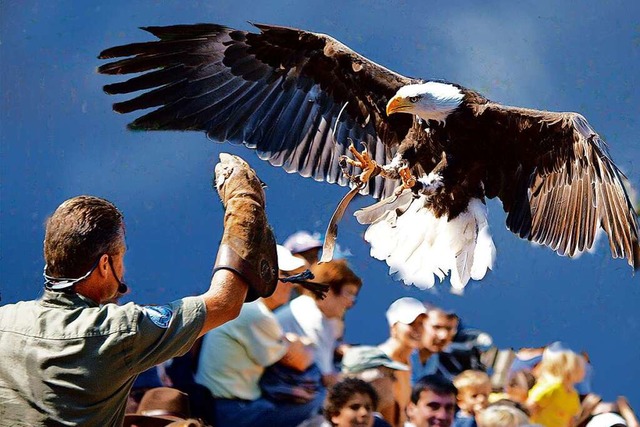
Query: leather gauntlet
<point x="248" y="246"/>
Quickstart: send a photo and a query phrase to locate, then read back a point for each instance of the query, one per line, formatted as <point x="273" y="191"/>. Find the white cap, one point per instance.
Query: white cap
<point x="405" y="310"/>
<point x="301" y="241"/>
<point x="286" y="261"/>
<point x="606" y="420"/>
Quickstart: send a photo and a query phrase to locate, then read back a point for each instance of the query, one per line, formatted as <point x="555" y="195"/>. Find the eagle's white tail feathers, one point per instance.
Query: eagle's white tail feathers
<point x="418" y="247"/>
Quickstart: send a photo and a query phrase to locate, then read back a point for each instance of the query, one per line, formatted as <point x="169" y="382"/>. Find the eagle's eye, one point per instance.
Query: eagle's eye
<point x="414" y="99"/>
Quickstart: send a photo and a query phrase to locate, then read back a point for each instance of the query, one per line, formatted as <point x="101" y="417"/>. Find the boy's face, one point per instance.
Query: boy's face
<point x="474" y="399"/>
<point x="357" y="412"/>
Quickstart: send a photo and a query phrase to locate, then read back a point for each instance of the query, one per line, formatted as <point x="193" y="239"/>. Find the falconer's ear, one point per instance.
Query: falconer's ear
<point x="103" y="266"/>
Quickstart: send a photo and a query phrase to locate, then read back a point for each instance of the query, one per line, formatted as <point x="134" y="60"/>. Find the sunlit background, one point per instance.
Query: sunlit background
<point x="60" y="138"/>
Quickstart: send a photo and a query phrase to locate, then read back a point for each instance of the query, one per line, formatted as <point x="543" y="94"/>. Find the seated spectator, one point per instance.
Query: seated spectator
<point x="351" y="402"/>
<point x="234" y="356"/>
<point x="316" y="319"/>
<point x="373" y="366"/>
<point x="161" y="406"/>
<point x="474" y="388"/>
<point x="553" y="400"/>
<point x="305" y="246"/>
<point x="517" y="387"/>
<point x="433" y="402"/>
<point x="405" y="317"/>
<point x="502" y="414"/>
<point x="440" y="327"/>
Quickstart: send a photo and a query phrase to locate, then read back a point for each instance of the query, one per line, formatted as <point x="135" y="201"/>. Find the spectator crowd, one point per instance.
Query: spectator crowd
<point x="264" y="345"/>
<point x="282" y="362"/>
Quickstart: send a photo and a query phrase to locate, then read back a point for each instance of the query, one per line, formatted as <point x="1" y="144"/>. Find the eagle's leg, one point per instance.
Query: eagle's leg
<point x="363" y="160"/>
<point x="399" y="168"/>
<point x="430" y="183"/>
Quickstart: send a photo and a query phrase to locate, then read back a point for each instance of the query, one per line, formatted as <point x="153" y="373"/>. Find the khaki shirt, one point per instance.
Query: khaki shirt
<point x="64" y="360"/>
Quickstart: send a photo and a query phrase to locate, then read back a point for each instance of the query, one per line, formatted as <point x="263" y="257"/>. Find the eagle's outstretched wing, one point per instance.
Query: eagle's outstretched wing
<point x="556" y="180"/>
<point x="280" y="92"/>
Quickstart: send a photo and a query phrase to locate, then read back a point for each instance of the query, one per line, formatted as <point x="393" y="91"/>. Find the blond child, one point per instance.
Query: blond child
<point x="502" y="415"/>
<point x="474" y="388"/>
<point x="553" y="400"/>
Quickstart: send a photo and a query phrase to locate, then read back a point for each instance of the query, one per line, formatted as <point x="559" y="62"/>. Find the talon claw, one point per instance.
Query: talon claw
<point x="362" y="160"/>
<point x="408" y="180"/>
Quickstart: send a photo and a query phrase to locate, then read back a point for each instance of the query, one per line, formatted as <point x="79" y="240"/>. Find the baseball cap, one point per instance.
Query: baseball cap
<point x="286" y="260"/>
<point x="363" y="357"/>
<point x="301" y="241"/>
<point x="405" y="310"/>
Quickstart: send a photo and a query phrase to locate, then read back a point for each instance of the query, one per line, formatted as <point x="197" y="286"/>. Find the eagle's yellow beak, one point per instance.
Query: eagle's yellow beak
<point x="395" y="104"/>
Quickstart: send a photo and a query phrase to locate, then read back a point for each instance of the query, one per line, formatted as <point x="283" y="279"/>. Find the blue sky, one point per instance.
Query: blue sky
<point x="59" y="138"/>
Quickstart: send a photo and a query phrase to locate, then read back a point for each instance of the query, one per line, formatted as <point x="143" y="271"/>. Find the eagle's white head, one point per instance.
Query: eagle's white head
<point x="429" y="101"/>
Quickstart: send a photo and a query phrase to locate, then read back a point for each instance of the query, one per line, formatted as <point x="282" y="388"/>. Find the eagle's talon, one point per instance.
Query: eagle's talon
<point x="363" y="160"/>
<point x="408" y="180"/>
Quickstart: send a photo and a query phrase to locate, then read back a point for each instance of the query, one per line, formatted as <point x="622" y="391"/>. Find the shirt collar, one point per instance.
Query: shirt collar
<point x="66" y="299"/>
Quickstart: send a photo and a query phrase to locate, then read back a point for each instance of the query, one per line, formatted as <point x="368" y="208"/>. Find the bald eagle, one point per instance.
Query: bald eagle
<point x="433" y="150"/>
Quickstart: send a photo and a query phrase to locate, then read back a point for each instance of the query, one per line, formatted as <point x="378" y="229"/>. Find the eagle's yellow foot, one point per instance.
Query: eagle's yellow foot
<point x="363" y="160"/>
<point x="408" y="180"/>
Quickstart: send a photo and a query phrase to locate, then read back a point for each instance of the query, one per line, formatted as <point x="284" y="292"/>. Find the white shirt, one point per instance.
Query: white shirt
<point x="234" y="355"/>
<point x="303" y="317"/>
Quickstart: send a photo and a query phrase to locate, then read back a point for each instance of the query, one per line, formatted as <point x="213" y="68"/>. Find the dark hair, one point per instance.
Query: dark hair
<point x="344" y="390"/>
<point x="79" y="231"/>
<point x="335" y="273"/>
<point x="436" y="383"/>
<point x="448" y="314"/>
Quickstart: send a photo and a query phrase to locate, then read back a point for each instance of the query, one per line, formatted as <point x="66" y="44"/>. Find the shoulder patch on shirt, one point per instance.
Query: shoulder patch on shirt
<point x="160" y="315"/>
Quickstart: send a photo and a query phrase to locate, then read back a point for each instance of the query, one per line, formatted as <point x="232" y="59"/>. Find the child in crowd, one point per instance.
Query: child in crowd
<point x="503" y="413"/>
<point x="351" y="402"/>
<point x="474" y="388"/>
<point x="553" y="401"/>
<point x="517" y="387"/>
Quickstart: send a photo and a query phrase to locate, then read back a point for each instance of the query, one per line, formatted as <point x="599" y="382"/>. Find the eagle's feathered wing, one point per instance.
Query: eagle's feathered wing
<point x="279" y="92"/>
<point x="298" y="98"/>
<point x="556" y="180"/>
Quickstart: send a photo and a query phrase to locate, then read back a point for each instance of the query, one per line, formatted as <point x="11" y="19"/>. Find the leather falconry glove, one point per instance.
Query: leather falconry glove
<point x="248" y="247"/>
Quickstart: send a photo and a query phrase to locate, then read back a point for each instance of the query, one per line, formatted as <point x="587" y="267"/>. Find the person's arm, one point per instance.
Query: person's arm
<point x="298" y="355"/>
<point x="224" y="299"/>
<point x="246" y="264"/>
<point x="626" y="412"/>
<point x="532" y="406"/>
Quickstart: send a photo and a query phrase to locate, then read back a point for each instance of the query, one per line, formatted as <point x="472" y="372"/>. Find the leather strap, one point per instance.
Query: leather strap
<point x="332" y="229"/>
<point x="258" y="280"/>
